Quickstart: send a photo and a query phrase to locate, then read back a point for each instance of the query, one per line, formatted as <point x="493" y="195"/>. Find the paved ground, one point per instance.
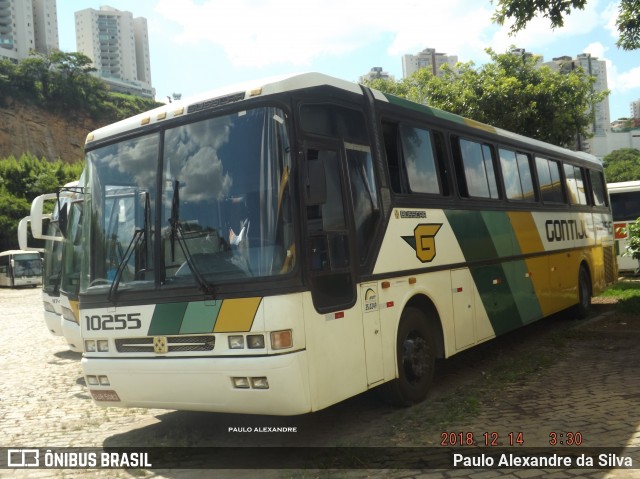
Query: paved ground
<point x="592" y="390"/>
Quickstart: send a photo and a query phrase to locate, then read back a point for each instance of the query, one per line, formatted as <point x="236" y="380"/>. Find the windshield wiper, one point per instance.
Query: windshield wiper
<point x="137" y="236"/>
<point x="139" y="233"/>
<point x="178" y="233"/>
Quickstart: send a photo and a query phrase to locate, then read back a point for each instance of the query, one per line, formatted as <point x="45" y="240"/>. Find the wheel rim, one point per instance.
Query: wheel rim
<point x="415" y="358"/>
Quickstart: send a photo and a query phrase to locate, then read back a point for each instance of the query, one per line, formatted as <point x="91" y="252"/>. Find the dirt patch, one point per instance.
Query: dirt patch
<point x="608" y="320"/>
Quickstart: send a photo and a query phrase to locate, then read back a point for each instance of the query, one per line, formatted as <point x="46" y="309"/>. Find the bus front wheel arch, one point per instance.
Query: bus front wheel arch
<point x="415" y="355"/>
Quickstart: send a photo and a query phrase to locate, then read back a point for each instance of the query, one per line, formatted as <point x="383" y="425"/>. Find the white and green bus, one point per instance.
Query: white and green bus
<point x="48" y="227"/>
<point x="20" y="268"/>
<point x="279" y="246"/>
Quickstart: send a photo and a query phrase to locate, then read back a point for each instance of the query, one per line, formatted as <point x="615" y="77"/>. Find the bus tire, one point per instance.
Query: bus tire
<point x="584" y="293"/>
<point x="416" y="355"/>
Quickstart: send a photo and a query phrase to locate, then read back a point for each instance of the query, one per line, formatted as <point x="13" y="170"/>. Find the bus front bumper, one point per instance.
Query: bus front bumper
<point x="275" y="384"/>
<point x="53" y="321"/>
<point x="72" y="334"/>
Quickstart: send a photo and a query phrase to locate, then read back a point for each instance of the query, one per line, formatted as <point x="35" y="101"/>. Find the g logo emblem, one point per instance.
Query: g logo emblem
<point x="425" y="236"/>
<point x="423" y="241"/>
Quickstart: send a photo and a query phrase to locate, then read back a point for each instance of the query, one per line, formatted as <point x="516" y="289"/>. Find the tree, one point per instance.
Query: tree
<point x="523" y="11"/>
<point x="511" y="92"/>
<point x="622" y="165"/>
<point x="21" y="180"/>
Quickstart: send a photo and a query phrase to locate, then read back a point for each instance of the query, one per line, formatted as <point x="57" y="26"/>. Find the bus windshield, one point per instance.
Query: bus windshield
<point x="27" y="264"/>
<point x="219" y="212"/>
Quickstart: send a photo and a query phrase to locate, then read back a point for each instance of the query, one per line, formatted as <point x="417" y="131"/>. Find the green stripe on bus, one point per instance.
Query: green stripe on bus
<point x="501" y="232"/>
<point x="472" y="234"/>
<point x="167" y="318"/>
<point x="497" y="297"/>
<point x="445" y="115"/>
<point x="523" y="291"/>
<point x="200" y="317"/>
<point x="506" y="289"/>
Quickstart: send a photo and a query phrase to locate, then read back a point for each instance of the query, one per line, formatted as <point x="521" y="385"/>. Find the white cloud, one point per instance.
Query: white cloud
<point x="265" y="32"/>
<point x="596" y="49"/>
<point x="630" y="79"/>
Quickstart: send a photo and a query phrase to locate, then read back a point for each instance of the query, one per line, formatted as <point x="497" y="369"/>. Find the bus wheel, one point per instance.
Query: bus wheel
<point x="584" y="293"/>
<point x="416" y="354"/>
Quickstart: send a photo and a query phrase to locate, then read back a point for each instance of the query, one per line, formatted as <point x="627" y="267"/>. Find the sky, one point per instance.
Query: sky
<point x="200" y="45"/>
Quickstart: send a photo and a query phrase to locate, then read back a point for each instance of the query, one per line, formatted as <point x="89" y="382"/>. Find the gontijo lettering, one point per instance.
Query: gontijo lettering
<point x="565" y="230"/>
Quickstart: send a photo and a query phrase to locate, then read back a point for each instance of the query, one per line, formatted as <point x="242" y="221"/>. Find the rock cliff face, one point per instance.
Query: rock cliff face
<point x="25" y="128"/>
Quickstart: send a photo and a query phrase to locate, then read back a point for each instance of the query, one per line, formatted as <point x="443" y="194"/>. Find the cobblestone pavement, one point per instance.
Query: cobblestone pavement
<point x="593" y="388"/>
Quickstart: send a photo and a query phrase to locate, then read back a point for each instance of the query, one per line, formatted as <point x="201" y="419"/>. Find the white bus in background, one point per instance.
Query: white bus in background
<point x="52" y="262"/>
<point x="54" y="303"/>
<point x="625" y="209"/>
<point x="20" y="268"/>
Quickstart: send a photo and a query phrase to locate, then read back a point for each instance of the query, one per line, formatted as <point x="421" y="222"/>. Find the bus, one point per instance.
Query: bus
<point x="70" y="268"/>
<point x="625" y="208"/>
<point x="47" y="227"/>
<point x="20" y="268"/>
<point x="279" y="246"/>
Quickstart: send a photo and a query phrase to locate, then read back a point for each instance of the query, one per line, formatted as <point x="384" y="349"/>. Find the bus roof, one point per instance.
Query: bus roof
<point x="283" y="83"/>
<point x="623" y="186"/>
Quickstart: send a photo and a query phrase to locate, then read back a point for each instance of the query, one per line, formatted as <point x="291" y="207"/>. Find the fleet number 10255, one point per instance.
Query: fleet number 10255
<point x="113" y="322"/>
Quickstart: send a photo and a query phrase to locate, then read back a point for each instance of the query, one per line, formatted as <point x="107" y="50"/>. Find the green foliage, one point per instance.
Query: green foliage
<point x="633" y="240"/>
<point x="622" y="165"/>
<point x="521" y="12"/>
<point x="21" y="180"/>
<point x="125" y="106"/>
<point x="62" y="81"/>
<point x="510" y="92"/>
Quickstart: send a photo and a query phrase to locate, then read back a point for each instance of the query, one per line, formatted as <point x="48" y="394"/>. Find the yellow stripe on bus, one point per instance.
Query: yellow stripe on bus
<point x="526" y="232"/>
<point x="236" y="315"/>
<point x="75" y="307"/>
<point x="529" y="241"/>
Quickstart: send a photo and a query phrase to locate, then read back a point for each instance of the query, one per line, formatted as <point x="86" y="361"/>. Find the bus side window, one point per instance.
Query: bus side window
<point x="516" y="172"/>
<point x="597" y="187"/>
<point x="549" y="180"/>
<point x="574" y="178"/>
<point x="477" y="177"/>
<point x="419" y="160"/>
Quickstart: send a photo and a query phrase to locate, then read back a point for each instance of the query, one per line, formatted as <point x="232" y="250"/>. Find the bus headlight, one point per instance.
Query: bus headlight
<point x="68" y="315"/>
<point x="259" y="383"/>
<point x="281" y="339"/>
<point x="255" y="341"/>
<point x="240" y="383"/>
<point x="236" y="342"/>
<point x="90" y="346"/>
<point x="48" y="307"/>
<point x="103" y="345"/>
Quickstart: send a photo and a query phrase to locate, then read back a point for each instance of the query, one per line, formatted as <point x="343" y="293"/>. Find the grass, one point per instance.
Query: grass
<point x="627" y="294"/>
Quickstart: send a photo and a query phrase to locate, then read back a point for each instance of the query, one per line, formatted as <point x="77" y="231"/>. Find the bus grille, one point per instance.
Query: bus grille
<point x="174" y="344"/>
<point x="609" y="265"/>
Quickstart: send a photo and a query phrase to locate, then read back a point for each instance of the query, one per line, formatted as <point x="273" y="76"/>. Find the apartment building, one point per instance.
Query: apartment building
<point x="27" y="25"/>
<point x="376" y="73"/>
<point x="427" y="58"/>
<point x="118" y="45"/>
<point x="598" y="69"/>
